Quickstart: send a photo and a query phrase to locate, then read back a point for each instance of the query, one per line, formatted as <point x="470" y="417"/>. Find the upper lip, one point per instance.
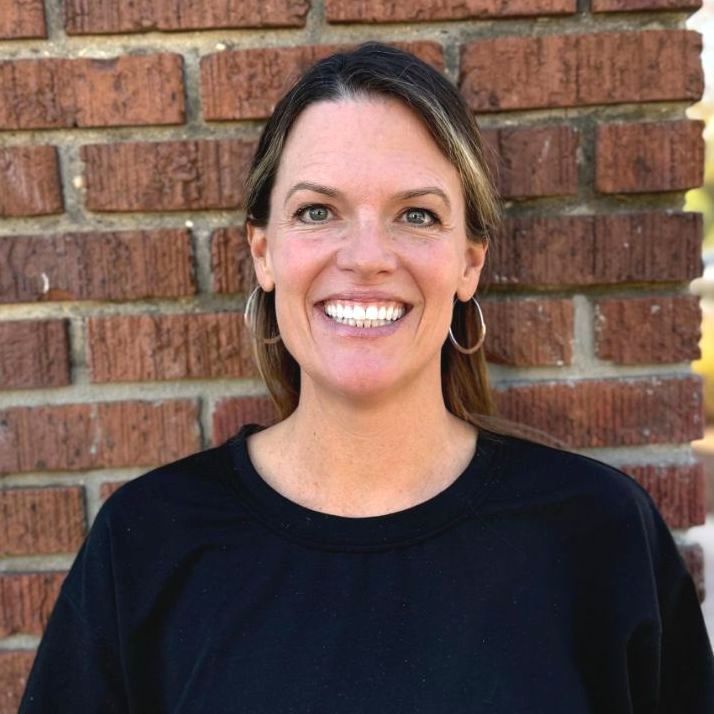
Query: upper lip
<point x="364" y="296"/>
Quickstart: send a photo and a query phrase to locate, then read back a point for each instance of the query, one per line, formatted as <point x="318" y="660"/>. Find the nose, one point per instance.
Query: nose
<point x="367" y="250"/>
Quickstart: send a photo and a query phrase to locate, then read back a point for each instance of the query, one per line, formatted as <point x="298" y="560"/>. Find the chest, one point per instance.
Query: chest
<point x="407" y="630"/>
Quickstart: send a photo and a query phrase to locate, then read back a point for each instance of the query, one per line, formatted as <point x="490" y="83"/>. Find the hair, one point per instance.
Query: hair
<point x="374" y="69"/>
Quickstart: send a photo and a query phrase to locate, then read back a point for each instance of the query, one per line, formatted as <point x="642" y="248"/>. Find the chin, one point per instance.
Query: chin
<point x="369" y="378"/>
<point x="366" y="387"/>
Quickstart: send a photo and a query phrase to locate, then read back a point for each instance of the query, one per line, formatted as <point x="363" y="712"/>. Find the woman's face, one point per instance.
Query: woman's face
<point x="366" y="248"/>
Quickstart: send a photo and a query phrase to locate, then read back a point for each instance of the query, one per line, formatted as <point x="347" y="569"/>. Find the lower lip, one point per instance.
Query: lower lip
<point x="345" y="330"/>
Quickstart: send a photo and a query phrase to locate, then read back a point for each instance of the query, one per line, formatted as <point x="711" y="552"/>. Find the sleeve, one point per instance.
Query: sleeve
<point x="78" y="667"/>
<point x="686" y="674"/>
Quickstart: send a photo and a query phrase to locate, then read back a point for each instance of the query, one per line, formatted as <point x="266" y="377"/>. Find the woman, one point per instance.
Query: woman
<point x="377" y="549"/>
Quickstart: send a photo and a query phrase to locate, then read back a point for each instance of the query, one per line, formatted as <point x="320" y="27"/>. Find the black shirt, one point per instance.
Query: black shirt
<point x="539" y="581"/>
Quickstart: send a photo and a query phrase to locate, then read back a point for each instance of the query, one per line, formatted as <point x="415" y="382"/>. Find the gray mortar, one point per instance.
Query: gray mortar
<point x="54" y="21"/>
<point x="88" y="393"/>
<point x="317" y="31"/>
<point x="192" y="88"/>
<point x="202" y="254"/>
<point x="71" y="170"/>
<point x="193" y="304"/>
<point x="657" y="454"/>
<point x="93" y="501"/>
<point x="19" y="642"/>
<point x="19" y="564"/>
<point x="316" y="23"/>
<point x="93" y="477"/>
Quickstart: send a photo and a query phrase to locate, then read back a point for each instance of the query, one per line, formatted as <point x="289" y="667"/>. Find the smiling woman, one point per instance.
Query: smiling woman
<point x="389" y="236"/>
<point x="400" y="116"/>
<point x="381" y="547"/>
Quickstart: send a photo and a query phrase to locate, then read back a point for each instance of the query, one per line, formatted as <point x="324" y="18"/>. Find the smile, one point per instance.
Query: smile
<point x="356" y="314"/>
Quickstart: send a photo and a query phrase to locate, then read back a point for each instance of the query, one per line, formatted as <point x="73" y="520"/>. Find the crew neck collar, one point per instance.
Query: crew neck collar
<point x="332" y="532"/>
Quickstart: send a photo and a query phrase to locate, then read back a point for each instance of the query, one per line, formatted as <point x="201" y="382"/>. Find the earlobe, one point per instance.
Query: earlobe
<point x="258" y="242"/>
<point x="474" y="260"/>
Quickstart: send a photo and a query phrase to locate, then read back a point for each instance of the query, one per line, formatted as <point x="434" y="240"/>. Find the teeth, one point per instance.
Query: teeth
<point x="364" y="315"/>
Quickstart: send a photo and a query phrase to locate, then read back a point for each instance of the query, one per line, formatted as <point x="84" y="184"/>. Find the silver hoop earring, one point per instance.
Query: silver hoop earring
<point x="249" y="316"/>
<point x="482" y="337"/>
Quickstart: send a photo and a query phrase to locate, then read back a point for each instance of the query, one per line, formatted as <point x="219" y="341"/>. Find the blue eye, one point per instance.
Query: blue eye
<point x="420" y="217"/>
<point x="313" y="214"/>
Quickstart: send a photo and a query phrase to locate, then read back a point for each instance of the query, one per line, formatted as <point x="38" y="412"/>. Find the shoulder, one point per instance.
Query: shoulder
<point x="157" y="519"/>
<point x="600" y="515"/>
<point x="533" y="473"/>
<point x="190" y="483"/>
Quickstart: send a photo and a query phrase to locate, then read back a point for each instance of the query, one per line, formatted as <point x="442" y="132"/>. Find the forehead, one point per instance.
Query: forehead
<point x="363" y="139"/>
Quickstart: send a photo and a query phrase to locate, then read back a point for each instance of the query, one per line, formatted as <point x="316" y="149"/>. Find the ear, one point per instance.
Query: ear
<point x="260" y="252"/>
<point x="474" y="259"/>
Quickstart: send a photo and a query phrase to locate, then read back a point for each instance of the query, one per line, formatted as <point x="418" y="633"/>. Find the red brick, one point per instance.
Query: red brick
<point x="246" y="84"/>
<point x="41" y="520"/>
<point x="529" y="332"/>
<point x="33" y="353"/>
<point x="58" y="93"/>
<point x="76" y="437"/>
<point x="573" y="70"/>
<point x="29" y="181"/>
<point x="167" y="176"/>
<point x="552" y="251"/>
<point x="20" y="19"/>
<point x="638" y="5"/>
<point x="678" y="491"/>
<point x="657" y="156"/>
<point x="132" y="348"/>
<point x="693" y="556"/>
<point x="127" y="265"/>
<point x="648" y="329"/>
<point x="120" y="16"/>
<point x="231" y="264"/>
<point x="429" y="10"/>
<point x="231" y="413"/>
<point x="26" y="601"/>
<point x="14" y="669"/>
<point x="592" y="413"/>
<point x="534" y="161"/>
<point x="110" y="487"/>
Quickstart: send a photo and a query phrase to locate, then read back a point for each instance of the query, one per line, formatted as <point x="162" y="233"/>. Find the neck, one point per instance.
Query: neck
<point x="339" y="457"/>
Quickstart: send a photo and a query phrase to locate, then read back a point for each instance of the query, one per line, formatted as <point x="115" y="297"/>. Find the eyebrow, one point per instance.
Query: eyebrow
<point x="427" y="190"/>
<point x="402" y="196"/>
<point x="310" y="186"/>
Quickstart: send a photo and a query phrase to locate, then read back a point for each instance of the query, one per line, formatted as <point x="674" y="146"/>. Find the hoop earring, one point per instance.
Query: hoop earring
<point x="249" y="317"/>
<point x="477" y="346"/>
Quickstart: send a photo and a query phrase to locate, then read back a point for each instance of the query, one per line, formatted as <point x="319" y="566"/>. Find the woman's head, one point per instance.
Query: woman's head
<point x="383" y="76"/>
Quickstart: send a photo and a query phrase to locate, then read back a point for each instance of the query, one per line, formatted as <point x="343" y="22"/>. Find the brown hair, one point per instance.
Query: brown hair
<point x="377" y="69"/>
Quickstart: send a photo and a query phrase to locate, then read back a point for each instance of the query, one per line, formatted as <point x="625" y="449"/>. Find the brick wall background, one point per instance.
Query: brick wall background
<point x="125" y="131"/>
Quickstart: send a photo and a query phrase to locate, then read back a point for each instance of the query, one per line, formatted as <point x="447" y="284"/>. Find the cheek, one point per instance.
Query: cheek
<point x="439" y="267"/>
<point x="298" y="267"/>
<point x="292" y="265"/>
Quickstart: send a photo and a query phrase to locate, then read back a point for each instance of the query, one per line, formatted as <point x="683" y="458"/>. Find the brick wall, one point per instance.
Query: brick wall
<point x="125" y="132"/>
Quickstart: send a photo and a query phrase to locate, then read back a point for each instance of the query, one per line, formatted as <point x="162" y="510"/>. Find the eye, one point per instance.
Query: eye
<point x="420" y="217"/>
<point x="315" y="213"/>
